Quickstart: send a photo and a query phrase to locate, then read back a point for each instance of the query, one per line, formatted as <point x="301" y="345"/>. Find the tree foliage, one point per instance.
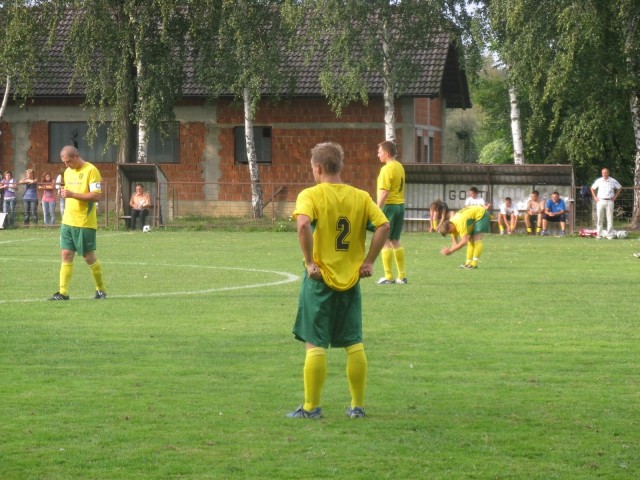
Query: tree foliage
<point x="241" y="47"/>
<point x="570" y="60"/>
<point x="23" y="39"/>
<point x="104" y="43"/>
<point x="359" y="39"/>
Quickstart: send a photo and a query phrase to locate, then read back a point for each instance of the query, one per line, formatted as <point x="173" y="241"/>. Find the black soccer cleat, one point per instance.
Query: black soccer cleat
<point x="59" y="296"/>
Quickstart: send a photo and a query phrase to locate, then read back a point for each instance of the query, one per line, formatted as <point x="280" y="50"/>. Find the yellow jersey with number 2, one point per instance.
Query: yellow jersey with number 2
<point x="339" y="216"/>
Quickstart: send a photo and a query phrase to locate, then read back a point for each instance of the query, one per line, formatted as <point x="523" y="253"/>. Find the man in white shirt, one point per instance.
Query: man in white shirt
<point x="474" y="199"/>
<point x="605" y="190"/>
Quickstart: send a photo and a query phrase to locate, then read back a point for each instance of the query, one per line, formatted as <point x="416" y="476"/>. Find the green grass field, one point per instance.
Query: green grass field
<point x="527" y="368"/>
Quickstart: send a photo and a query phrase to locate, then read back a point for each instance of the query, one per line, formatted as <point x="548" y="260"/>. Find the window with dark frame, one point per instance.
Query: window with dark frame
<point x="161" y="149"/>
<point x="62" y="134"/>
<point x="164" y="148"/>
<point x="262" y="140"/>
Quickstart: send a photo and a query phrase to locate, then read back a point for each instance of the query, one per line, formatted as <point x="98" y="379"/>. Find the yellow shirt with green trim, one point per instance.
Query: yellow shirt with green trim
<point x="466" y="217"/>
<point x="78" y="213"/>
<point x="391" y="179"/>
<point x="339" y="216"/>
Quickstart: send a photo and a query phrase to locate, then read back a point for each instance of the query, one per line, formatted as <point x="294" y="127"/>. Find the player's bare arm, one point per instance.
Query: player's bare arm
<point x="455" y="245"/>
<point x="305" y="239"/>
<point x="377" y="242"/>
<point x="382" y="197"/>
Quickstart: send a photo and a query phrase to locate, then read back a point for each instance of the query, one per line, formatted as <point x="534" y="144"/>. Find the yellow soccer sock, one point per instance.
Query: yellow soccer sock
<point x="66" y="272"/>
<point x="387" y="259"/>
<point x="315" y="374"/>
<point x="357" y="373"/>
<point x="528" y="229"/>
<point x="96" y="271"/>
<point x="469" y="252"/>
<point x="501" y="227"/>
<point x="477" y="251"/>
<point x="398" y="253"/>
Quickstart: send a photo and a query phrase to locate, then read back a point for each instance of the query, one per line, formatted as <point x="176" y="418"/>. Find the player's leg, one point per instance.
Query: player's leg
<point x="528" y="223"/>
<point x="514" y="223"/>
<point x="600" y="216"/>
<point x="67" y="253"/>
<point x="386" y="255"/>
<point x="143" y="217"/>
<point x="313" y="320"/>
<point x="132" y="221"/>
<point x="347" y="332"/>
<point x="357" y="367"/>
<point x="478" y="247"/>
<point x="315" y="375"/>
<point x="398" y="255"/>
<point x="502" y="223"/>
<point x="609" y="208"/>
<point x="394" y="237"/>
<point x="89" y="244"/>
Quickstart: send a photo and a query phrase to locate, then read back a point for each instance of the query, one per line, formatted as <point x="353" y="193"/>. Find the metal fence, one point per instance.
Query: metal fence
<point x="201" y="203"/>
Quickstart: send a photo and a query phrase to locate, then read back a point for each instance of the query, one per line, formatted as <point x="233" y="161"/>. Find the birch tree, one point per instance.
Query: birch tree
<point x="241" y="49"/>
<point x="578" y="62"/>
<point x="23" y="40"/>
<point x="129" y="58"/>
<point x="359" y="40"/>
<point x="516" y="130"/>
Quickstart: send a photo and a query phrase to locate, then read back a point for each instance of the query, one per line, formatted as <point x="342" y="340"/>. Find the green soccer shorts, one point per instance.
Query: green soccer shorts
<point x="327" y="317"/>
<point x="77" y="239"/>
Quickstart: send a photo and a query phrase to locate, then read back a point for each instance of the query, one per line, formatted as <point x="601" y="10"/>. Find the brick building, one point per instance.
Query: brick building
<point x="206" y="147"/>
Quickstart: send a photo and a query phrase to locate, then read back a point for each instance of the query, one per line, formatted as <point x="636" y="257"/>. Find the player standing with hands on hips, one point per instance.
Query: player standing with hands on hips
<point x="391" y="183"/>
<point x="332" y="220"/>
<point x="605" y="190"/>
<point x="81" y="191"/>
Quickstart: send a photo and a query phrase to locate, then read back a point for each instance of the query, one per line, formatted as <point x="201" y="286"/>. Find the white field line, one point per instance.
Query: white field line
<point x="288" y="278"/>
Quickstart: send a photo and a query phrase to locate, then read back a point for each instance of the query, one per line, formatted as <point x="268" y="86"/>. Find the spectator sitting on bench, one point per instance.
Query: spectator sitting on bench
<point x="438" y="213"/>
<point x="535" y="209"/>
<point x="473" y="198"/>
<point x="508" y="216"/>
<point x="139" y="203"/>
<point x="554" y="211"/>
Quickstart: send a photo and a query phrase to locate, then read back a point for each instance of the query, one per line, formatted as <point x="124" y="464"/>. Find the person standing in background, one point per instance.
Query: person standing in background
<point x="59" y="185"/>
<point x="605" y="191"/>
<point x="82" y="190"/>
<point x="390" y="198"/>
<point x="30" y="197"/>
<point x="48" y="198"/>
<point x="8" y="186"/>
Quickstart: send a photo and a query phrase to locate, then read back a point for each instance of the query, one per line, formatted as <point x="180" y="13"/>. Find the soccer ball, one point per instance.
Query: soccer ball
<point x="622" y="234"/>
<point x="146" y="229"/>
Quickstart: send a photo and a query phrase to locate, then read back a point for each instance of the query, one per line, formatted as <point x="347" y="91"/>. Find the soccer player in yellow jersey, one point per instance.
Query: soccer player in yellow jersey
<point x="81" y="191"/>
<point x="466" y="228"/>
<point x="390" y="198"/>
<point x="332" y="220"/>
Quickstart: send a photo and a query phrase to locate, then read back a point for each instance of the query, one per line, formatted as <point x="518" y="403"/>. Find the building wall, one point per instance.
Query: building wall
<point x="207" y="142"/>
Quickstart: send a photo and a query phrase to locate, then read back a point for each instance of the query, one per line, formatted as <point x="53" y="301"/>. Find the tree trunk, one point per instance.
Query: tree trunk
<point x="143" y="141"/>
<point x="257" y="204"/>
<point x="5" y="99"/>
<point x="516" y="130"/>
<point x="124" y="152"/>
<point x="389" y="94"/>
<point x="635" y="117"/>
